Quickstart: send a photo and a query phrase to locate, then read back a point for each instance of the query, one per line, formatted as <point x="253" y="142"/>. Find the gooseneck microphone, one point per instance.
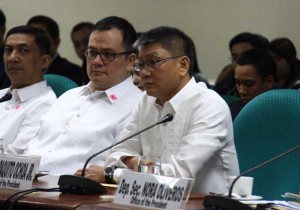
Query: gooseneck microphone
<point x="80" y="185"/>
<point x="167" y="118"/>
<point x="215" y="202"/>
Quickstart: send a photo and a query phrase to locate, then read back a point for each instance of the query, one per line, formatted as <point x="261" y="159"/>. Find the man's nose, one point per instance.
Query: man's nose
<point x="98" y="59"/>
<point x="145" y="72"/>
<point x="242" y="90"/>
<point x="14" y="55"/>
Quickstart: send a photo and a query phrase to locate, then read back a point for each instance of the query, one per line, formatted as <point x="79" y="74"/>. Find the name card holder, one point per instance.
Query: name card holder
<point x="17" y="172"/>
<point x="153" y="191"/>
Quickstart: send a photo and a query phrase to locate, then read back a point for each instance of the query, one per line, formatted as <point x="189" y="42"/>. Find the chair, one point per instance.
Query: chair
<point x="267" y="126"/>
<point x="229" y="99"/>
<point x="59" y="84"/>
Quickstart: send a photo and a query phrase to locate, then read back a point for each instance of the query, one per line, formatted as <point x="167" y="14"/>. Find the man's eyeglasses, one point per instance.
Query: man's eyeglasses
<point x="108" y="56"/>
<point x="152" y="64"/>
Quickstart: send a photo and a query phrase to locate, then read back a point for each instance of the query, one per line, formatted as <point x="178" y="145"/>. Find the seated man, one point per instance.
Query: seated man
<point x="225" y="83"/>
<point x="26" y="57"/>
<point x="4" y="80"/>
<point x="88" y="118"/>
<point x="198" y="143"/>
<point x="255" y="73"/>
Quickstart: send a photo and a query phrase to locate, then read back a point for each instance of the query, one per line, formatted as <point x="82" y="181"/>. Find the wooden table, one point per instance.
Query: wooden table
<point x="56" y="200"/>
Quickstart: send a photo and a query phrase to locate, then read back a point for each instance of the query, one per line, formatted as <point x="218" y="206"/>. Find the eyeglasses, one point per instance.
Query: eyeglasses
<point x="107" y="56"/>
<point x="152" y="64"/>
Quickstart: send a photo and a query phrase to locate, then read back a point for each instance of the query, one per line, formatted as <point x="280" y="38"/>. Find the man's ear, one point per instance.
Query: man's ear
<point x="46" y="60"/>
<point x="130" y="61"/>
<point x="184" y="63"/>
<point x="270" y="81"/>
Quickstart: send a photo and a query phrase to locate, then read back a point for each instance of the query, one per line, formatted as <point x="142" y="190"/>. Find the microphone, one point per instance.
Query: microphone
<point x="215" y="202"/>
<point x="80" y="185"/>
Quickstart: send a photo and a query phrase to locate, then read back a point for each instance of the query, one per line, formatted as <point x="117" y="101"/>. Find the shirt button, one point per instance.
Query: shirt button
<point x="78" y="115"/>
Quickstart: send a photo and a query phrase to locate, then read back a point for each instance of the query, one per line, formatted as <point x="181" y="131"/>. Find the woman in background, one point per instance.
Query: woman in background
<point x="287" y="63"/>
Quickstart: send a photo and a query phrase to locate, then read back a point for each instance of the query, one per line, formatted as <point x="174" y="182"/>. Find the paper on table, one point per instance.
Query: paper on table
<point x="289" y="204"/>
<point x="291" y="195"/>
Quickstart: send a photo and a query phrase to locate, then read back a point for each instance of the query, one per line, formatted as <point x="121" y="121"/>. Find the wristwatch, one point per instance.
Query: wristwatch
<point x="109" y="174"/>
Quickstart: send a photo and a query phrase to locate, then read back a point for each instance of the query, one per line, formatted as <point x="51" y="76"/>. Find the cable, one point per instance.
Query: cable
<point x="20" y="194"/>
<point x="25" y="193"/>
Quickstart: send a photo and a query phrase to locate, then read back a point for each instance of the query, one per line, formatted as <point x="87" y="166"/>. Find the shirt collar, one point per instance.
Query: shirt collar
<point x="177" y="100"/>
<point x="114" y="93"/>
<point x="30" y="91"/>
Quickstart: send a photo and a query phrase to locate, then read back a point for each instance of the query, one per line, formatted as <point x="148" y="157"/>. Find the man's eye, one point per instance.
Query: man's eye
<point x="24" y="50"/>
<point x="7" y="50"/>
<point x="108" y="54"/>
<point x="245" y="83"/>
<point x="152" y="62"/>
<point x="92" y="53"/>
<point x="248" y="84"/>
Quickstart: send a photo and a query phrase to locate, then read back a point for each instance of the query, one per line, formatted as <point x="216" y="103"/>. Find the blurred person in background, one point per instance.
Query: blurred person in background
<point x="225" y="83"/>
<point x="80" y="37"/>
<point x="288" y="65"/>
<point x="255" y="73"/>
<point x="59" y="65"/>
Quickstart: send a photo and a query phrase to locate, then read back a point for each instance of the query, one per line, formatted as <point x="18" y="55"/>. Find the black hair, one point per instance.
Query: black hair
<point x="2" y="19"/>
<point x="283" y="47"/>
<point x="255" y="40"/>
<point x="49" y="23"/>
<point x="128" y="31"/>
<point x="41" y="38"/>
<point x="262" y="61"/>
<point x="171" y="39"/>
<point x="81" y="25"/>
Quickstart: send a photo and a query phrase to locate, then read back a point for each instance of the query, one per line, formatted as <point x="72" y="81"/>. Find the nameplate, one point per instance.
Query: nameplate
<point x="152" y="191"/>
<point x="17" y="172"/>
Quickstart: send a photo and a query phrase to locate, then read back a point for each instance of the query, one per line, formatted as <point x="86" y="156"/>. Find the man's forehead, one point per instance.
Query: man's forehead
<point x="20" y="39"/>
<point x="154" y="49"/>
<point x="108" y="38"/>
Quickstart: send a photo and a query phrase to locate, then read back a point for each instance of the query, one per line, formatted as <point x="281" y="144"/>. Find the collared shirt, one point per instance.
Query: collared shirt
<point x="197" y="144"/>
<point x="82" y="123"/>
<point x="21" y="115"/>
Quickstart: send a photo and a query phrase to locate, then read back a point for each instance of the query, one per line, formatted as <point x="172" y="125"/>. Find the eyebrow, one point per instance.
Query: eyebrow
<point x="152" y="54"/>
<point x="18" y="45"/>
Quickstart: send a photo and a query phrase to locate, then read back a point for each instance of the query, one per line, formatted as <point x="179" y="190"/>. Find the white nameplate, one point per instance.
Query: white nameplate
<point x="152" y="191"/>
<point x="17" y="172"/>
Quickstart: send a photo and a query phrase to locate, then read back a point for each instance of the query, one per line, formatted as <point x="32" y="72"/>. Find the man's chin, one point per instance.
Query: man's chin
<point x="150" y="92"/>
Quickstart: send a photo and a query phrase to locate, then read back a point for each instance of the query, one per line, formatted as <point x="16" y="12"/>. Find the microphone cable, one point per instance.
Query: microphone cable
<point x="16" y="196"/>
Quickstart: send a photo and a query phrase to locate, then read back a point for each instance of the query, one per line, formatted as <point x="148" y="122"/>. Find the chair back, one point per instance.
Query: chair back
<point x="59" y="84"/>
<point x="266" y="127"/>
<point x="229" y="99"/>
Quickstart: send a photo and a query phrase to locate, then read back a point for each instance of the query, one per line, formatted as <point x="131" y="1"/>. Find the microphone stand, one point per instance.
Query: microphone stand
<point x="215" y="202"/>
<point x="80" y="185"/>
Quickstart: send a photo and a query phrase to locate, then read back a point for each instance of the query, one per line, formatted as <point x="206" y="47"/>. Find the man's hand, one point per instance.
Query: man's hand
<point x="94" y="172"/>
<point x="132" y="162"/>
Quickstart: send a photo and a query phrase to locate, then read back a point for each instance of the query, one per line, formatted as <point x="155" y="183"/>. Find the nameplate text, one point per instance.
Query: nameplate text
<point x="17" y="172"/>
<point x="152" y="191"/>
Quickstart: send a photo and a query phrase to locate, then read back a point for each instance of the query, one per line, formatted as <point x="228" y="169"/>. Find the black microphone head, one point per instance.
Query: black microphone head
<point x="167" y="118"/>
